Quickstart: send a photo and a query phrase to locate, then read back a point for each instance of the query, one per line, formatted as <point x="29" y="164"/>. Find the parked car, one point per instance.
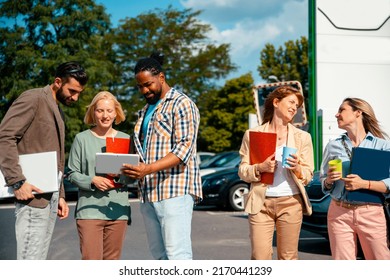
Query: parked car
<point x="317" y="222"/>
<point x="220" y="161"/>
<point x="202" y="156"/>
<point x="224" y="188"/>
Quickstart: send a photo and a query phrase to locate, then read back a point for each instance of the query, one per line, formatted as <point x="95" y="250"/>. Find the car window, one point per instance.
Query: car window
<point x="210" y="161"/>
<point x="206" y="162"/>
<point x="225" y="160"/>
<point x="219" y="160"/>
<point x="204" y="157"/>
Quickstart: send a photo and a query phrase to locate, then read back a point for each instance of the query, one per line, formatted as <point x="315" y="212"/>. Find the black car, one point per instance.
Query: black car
<point x="220" y="162"/>
<point x="225" y="189"/>
<point x="317" y="222"/>
<point x="220" y="159"/>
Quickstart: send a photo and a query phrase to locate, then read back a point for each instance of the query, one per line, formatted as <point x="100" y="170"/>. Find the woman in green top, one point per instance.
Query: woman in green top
<point x="103" y="209"/>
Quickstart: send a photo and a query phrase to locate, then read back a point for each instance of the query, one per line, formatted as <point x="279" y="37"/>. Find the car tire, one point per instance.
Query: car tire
<point x="236" y="196"/>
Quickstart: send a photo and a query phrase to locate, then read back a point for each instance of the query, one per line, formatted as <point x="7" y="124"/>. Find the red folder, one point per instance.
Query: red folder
<point x="261" y="146"/>
<point x="118" y="145"/>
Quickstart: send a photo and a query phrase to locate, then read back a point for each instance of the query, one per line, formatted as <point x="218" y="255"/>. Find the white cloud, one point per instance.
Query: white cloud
<point x="232" y="10"/>
<point x="247" y="25"/>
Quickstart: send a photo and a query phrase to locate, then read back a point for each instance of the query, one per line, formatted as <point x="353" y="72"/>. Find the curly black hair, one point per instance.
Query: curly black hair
<point x="153" y="64"/>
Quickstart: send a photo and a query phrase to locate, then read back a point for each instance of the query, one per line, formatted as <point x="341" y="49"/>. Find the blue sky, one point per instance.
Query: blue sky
<point x="247" y="25"/>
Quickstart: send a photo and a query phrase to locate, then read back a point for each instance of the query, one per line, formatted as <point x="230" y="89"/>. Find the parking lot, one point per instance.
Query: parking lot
<point x="216" y="234"/>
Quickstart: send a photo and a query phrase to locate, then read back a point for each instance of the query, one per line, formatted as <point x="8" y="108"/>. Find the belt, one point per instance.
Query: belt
<point x="348" y="205"/>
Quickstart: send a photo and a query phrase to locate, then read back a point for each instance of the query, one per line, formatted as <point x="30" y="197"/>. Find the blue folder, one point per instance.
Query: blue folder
<point x="369" y="164"/>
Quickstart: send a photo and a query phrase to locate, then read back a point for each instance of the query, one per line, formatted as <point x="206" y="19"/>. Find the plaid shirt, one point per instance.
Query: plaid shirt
<point x="173" y="128"/>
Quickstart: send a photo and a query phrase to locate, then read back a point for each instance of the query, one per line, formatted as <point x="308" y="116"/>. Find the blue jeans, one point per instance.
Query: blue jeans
<point x="168" y="227"/>
<point x="34" y="229"/>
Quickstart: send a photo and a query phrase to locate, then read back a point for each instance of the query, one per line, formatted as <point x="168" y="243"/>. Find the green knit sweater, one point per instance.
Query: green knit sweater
<point x="93" y="203"/>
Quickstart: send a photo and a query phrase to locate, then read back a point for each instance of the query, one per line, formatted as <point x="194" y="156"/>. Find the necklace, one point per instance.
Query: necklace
<point x="281" y="131"/>
<point x="282" y="135"/>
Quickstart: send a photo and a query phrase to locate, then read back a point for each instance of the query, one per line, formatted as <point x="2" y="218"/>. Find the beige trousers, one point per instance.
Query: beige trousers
<point x="283" y="214"/>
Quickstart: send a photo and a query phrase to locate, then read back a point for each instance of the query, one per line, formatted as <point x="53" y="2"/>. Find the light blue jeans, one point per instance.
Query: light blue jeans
<point x="168" y="227"/>
<point x="34" y="229"/>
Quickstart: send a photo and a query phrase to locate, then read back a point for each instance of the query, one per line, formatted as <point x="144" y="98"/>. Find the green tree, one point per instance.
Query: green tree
<point x="288" y="63"/>
<point x="224" y="115"/>
<point x="38" y="35"/>
<point x="192" y="62"/>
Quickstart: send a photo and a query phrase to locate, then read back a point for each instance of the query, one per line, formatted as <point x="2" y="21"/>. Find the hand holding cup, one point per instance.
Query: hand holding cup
<point x="335" y="171"/>
<point x="287" y="152"/>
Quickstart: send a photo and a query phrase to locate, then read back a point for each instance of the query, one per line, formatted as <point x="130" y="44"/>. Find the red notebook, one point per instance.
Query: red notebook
<point x="118" y="145"/>
<point x="261" y="146"/>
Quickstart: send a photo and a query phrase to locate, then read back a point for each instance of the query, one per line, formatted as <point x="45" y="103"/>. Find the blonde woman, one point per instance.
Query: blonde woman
<point x="282" y="204"/>
<point x="103" y="210"/>
<point x="346" y="221"/>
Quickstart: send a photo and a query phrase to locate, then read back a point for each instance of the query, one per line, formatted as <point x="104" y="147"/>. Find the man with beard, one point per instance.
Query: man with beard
<point x="34" y="124"/>
<point x="165" y="138"/>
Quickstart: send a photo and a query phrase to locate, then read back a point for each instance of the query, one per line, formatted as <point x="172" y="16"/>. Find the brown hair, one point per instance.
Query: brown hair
<point x="370" y="122"/>
<point x="89" y="115"/>
<point x="279" y="93"/>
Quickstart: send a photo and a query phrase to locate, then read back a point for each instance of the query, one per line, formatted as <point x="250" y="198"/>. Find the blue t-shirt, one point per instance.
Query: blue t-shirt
<point x="145" y="124"/>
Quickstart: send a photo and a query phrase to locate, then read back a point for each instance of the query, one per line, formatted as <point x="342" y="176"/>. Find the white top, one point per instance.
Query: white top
<point x="284" y="184"/>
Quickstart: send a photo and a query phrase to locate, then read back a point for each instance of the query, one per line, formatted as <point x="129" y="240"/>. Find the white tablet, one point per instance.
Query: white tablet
<point x="112" y="163"/>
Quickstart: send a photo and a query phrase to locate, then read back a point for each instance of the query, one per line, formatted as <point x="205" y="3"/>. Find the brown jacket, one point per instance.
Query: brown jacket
<point x="33" y="124"/>
<point x="296" y="138"/>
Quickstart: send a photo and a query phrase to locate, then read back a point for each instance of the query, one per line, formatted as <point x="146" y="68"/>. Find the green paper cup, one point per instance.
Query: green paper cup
<point x="336" y="163"/>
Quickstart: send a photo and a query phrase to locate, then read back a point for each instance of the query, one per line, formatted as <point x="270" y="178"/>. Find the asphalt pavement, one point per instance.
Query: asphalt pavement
<point x="216" y="235"/>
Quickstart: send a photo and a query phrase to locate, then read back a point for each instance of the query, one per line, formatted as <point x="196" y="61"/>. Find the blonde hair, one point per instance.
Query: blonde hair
<point x="89" y="115"/>
<point x="370" y="122"/>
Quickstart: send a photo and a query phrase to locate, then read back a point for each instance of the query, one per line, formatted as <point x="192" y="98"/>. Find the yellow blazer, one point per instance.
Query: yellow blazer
<point x="296" y="138"/>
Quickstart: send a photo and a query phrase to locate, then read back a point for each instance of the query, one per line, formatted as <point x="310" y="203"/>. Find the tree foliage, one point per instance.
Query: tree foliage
<point x="191" y="63"/>
<point x="38" y="35"/>
<point x="225" y="115"/>
<point x="41" y="34"/>
<point x="287" y="63"/>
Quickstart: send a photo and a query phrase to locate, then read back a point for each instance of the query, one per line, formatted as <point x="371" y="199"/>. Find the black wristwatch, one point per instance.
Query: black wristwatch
<point x="17" y="185"/>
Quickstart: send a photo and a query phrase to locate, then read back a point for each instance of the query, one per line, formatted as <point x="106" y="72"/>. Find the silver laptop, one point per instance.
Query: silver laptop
<point x="40" y="170"/>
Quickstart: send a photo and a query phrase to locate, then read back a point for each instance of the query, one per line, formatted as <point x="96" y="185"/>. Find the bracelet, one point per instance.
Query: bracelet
<point x="327" y="185"/>
<point x="369" y="184"/>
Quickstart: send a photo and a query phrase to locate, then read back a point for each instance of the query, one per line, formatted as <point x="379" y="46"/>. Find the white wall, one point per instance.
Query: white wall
<point x="352" y="63"/>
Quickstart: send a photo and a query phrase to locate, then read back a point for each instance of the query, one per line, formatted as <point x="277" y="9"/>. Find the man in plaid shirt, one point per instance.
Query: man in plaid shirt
<point x="165" y="138"/>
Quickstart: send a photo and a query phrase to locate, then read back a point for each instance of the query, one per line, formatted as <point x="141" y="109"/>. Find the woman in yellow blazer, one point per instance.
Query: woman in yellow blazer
<point x="282" y="204"/>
